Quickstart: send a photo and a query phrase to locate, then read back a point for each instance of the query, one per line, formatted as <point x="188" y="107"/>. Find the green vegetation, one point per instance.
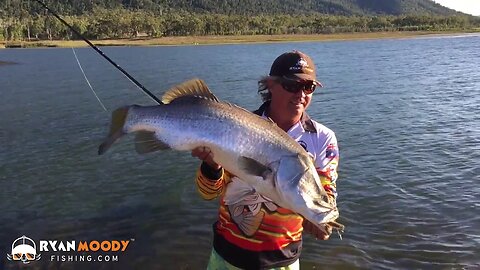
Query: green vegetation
<point x="27" y="20"/>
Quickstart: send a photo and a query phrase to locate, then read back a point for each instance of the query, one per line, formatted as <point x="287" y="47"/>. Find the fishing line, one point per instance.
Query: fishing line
<point x="88" y="82"/>
<point x="132" y="79"/>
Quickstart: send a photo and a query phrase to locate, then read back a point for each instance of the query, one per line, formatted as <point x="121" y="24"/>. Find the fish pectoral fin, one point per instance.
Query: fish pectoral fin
<point x="192" y="88"/>
<point x="147" y="142"/>
<point x="253" y="167"/>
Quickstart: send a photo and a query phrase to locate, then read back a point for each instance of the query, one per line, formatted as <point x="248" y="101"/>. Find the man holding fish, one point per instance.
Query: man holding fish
<point x="275" y="169"/>
<point x="253" y="231"/>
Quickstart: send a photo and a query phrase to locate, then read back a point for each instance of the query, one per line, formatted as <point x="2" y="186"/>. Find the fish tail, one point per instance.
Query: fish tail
<point x="116" y="128"/>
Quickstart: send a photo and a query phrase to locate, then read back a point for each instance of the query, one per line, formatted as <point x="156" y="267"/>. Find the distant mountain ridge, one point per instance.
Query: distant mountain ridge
<point x="242" y="7"/>
<point x="336" y="7"/>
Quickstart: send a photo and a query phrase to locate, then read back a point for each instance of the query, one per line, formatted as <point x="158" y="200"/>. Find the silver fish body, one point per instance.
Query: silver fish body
<point x="248" y="146"/>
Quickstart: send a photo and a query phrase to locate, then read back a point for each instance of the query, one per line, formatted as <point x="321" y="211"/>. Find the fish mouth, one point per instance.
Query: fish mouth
<point x="317" y="209"/>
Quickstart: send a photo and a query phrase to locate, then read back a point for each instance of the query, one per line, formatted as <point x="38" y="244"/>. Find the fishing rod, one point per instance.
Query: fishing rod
<point x="152" y="96"/>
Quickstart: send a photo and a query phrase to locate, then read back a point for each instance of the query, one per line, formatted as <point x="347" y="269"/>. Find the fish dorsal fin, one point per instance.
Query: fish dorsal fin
<point x="192" y="88"/>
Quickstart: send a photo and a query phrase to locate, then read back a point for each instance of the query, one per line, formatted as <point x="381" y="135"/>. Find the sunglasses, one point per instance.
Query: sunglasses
<point x="295" y="86"/>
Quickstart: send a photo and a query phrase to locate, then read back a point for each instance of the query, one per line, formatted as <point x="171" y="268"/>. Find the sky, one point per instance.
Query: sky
<point x="466" y="6"/>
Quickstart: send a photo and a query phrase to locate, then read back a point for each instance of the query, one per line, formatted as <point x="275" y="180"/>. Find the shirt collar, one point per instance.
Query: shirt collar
<point x="306" y="121"/>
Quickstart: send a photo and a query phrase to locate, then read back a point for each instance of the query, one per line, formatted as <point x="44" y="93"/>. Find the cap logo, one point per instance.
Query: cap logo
<point x="301" y="64"/>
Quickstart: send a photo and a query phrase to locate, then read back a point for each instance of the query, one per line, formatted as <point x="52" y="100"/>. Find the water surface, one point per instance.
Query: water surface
<point x="406" y="114"/>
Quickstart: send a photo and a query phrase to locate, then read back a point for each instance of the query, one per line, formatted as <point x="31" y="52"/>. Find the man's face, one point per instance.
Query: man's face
<point x="290" y="97"/>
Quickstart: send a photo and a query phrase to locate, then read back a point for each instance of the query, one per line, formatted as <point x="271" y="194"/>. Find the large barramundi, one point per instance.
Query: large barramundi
<point x="252" y="148"/>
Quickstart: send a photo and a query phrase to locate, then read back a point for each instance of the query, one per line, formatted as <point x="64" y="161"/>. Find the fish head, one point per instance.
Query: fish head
<point x="299" y="188"/>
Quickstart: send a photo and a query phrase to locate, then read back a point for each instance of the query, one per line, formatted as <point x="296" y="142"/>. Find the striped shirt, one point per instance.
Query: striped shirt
<point x="252" y="232"/>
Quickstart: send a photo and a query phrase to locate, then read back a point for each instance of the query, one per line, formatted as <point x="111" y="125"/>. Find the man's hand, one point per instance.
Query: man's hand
<point x="206" y="155"/>
<point x="317" y="232"/>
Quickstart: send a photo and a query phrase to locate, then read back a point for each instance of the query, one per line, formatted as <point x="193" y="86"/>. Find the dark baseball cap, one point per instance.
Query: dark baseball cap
<point x="294" y="65"/>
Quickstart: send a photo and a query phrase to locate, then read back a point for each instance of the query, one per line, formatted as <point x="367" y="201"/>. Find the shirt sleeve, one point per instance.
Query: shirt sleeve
<point x="327" y="165"/>
<point x="210" y="183"/>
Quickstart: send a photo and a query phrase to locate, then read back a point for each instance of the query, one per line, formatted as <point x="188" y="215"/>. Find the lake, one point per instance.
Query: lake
<point x="406" y="113"/>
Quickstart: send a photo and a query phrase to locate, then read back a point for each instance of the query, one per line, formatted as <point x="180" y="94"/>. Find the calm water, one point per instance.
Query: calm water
<point x="406" y="113"/>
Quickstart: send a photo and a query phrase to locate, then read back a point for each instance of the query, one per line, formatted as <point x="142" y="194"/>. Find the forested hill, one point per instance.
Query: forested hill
<point x="95" y="19"/>
<point x="238" y="7"/>
<point x="334" y="7"/>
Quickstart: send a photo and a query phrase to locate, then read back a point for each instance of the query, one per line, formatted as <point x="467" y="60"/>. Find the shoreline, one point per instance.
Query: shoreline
<point x="221" y="40"/>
